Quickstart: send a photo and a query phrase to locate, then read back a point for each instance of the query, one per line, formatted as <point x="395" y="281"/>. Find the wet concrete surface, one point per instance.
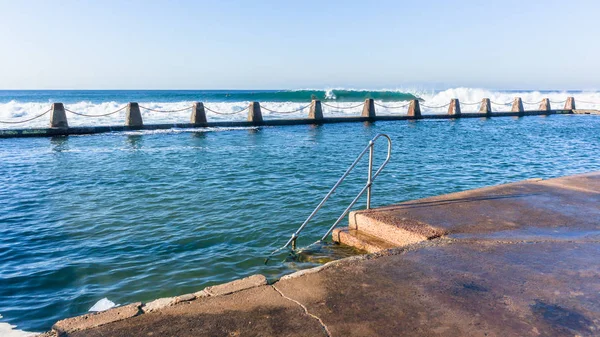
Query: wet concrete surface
<point x="259" y="311"/>
<point x="461" y="288"/>
<point x="518" y="260"/>
<point x="567" y="205"/>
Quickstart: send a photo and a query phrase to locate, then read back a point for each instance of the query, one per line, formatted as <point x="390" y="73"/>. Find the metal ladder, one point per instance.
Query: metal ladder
<point x="370" y="178"/>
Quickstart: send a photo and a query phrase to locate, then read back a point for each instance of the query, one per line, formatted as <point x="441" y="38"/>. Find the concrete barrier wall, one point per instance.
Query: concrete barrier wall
<point x="133" y="119"/>
<point x="454" y="108"/>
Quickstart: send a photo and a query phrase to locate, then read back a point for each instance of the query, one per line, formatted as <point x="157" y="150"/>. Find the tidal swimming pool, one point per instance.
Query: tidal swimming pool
<point x="141" y="215"/>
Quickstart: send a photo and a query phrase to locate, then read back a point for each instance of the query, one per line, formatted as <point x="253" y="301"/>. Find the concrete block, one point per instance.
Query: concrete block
<point x="58" y="118"/>
<point x="159" y="304"/>
<point x="237" y="285"/>
<point x="570" y="103"/>
<point x="360" y="240"/>
<point x="486" y="106"/>
<point x="254" y="113"/>
<point x="454" y="107"/>
<point x="303" y="272"/>
<point x="133" y="116"/>
<point x="89" y="321"/>
<point x="185" y="298"/>
<point x="400" y="232"/>
<point x="368" y="108"/>
<point x="201" y="294"/>
<point x="545" y="105"/>
<point x="198" y="114"/>
<point x="414" y="109"/>
<point x="517" y="106"/>
<point x="316" y="110"/>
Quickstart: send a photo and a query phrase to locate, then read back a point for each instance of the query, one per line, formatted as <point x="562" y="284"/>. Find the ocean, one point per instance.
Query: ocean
<point x="139" y="215"/>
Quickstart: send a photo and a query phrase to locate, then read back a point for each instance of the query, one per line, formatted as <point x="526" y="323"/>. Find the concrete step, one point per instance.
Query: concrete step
<point x="366" y="242"/>
<point x="400" y="232"/>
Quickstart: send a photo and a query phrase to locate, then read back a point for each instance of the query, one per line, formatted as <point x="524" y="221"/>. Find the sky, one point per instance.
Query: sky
<point x="230" y="44"/>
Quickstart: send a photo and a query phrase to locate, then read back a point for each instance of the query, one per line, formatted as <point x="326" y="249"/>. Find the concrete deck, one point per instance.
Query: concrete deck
<point x="512" y="260"/>
<point x="528" y="209"/>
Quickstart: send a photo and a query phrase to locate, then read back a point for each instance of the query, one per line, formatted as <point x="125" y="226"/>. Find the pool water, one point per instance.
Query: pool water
<point x="141" y="215"/>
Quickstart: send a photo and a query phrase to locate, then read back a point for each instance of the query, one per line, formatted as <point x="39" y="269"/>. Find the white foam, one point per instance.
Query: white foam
<point x="8" y="330"/>
<point x="502" y="100"/>
<point x="433" y="102"/>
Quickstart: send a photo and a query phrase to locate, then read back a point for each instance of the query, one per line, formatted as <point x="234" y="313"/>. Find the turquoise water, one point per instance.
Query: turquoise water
<point x="138" y="216"/>
<point x="124" y="96"/>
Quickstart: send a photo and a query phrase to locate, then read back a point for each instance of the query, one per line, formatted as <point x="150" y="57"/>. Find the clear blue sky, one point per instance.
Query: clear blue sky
<point x="299" y="44"/>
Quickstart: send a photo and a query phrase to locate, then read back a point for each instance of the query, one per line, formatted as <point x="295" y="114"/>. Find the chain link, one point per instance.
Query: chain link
<point x="532" y="103"/>
<point x="155" y="110"/>
<point x="26" y="120"/>
<point x="341" y="107"/>
<point x="102" y="115"/>
<point x="392" y="107"/>
<point x="584" y="102"/>
<point x="435" y="107"/>
<point x="284" y="112"/>
<point x="225" y="113"/>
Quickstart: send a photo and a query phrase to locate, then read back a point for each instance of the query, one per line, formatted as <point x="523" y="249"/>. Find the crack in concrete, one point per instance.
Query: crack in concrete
<point x="305" y="311"/>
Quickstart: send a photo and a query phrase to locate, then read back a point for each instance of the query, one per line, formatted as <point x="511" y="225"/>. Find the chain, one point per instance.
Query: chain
<point x="102" y="115"/>
<point x="532" y="103"/>
<point x="27" y="120"/>
<point x="285" y="112"/>
<point x="392" y="107"/>
<point x="584" y="102"/>
<point x="435" y="107"/>
<point x="225" y="113"/>
<point x="178" y="110"/>
<point x="340" y="107"/>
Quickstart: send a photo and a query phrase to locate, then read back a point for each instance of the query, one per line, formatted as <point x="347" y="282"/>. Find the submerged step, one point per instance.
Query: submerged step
<point x="400" y="232"/>
<point x="366" y="242"/>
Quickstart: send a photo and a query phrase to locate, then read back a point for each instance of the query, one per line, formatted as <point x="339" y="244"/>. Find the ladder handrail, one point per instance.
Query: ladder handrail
<point x="371" y="177"/>
<point x="369" y="181"/>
